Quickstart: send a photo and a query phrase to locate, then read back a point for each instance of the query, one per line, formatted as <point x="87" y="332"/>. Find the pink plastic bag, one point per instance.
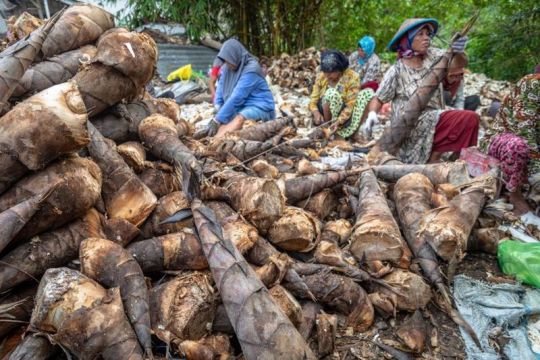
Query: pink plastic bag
<point x="478" y="163"/>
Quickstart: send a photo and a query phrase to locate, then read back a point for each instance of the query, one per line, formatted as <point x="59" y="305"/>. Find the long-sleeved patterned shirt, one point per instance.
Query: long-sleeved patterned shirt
<point x="520" y="114"/>
<point x="348" y="86"/>
<point x="400" y="82"/>
<point x="370" y="71"/>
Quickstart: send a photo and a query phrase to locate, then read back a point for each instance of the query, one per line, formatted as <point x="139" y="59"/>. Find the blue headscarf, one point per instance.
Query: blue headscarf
<point x="367" y="43"/>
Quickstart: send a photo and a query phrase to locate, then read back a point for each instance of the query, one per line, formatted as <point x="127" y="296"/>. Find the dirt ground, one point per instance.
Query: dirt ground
<point x="444" y="340"/>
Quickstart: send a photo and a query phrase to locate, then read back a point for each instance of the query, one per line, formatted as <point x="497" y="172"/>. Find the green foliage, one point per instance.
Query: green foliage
<point x="504" y="42"/>
<point x="199" y="16"/>
<point x="266" y="27"/>
<point x="506" y="45"/>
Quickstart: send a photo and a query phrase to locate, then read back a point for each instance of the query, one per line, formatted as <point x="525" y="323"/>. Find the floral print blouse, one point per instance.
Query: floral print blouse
<point x="348" y="86"/>
<point x="520" y="114"/>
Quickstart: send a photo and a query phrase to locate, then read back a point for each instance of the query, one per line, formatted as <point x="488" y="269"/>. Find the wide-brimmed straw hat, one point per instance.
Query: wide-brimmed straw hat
<point x="407" y="25"/>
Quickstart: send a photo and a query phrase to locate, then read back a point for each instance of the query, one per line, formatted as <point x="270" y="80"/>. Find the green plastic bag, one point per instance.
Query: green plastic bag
<point x="521" y="260"/>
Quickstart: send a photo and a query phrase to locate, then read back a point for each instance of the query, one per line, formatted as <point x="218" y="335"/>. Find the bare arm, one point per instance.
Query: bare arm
<point x="386" y="91"/>
<point x="375" y="104"/>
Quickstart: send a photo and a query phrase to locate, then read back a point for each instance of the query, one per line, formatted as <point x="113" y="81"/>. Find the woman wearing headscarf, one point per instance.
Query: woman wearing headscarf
<point x="242" y="92"/>
<point x="336" y="95"/>
<point x="513" y="139"/>
<point x="366" y="63"/>
<point x="437" y="130"/>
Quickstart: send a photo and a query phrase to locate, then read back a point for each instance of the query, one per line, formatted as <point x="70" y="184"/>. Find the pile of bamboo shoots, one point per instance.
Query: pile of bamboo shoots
<point x="147" y="242"/>
<point x="295" y="72"/>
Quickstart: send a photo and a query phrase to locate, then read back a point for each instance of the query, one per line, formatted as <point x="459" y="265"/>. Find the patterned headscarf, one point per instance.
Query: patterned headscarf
<point x="333" y="60"/>
<point x="367" y="43"/>
<point x="405" y="44"/>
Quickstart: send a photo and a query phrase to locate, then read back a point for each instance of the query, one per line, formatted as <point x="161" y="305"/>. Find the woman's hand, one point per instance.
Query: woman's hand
<point x="317" y="118"/>
<point x="209" y="130"/>
<point x="371" y="120"/>
<point x="458" y="46"/>
<point x="334" y="127"/>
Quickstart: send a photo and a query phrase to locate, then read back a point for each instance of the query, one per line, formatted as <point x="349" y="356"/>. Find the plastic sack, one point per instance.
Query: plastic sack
<point x="478" y="163"/>
<point x="182" y="73"/>
<point x="521" y="260"/>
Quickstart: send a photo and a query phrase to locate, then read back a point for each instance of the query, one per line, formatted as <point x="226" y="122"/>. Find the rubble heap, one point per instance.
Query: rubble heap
<point x="296" y="72"/>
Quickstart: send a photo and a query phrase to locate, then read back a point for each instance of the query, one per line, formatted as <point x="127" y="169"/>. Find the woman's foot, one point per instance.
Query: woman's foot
<point x="435" y="157"/>
<point x="520" y="204"/>
<point x="327" y="115"/>
<point x="235" y="124"/>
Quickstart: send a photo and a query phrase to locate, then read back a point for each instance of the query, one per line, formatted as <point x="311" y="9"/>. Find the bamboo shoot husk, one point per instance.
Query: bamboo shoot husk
<point x="337" y="231"/>
<point x="17" y="58"/>
<point x="414" y="292"/>
<point x="310" y="310"/>
<point x="321" y="204"/>
<point x="447" y="229"/>
<point x="29" y="137"/>
<point x="208" y="348"/>
<point x="83" y="317"/>
<point x="15" y="218"/>
<point x="486" y="240"/>
<point x="376" y="236"/>
<point x="258" y="200"/>
<point x="133" y="154"/>
<point x="78" y="191"/>
<point x="160" y="135"/>
<point x="245" y="298"/>
<point x="182" y="308"/>
<point x="103" y="86"/>
<point x="160" y="178"/>
<point x="55" y="248"/>
<point x="412" y="195"/>
<point x="124" y="194"/>
<point x="55" y="70"/>
<point x="301" y="188"/>
<point x="122" y="122"/>
<point x="455" y="173"/>
<point x="327" y="325"/>
<point x="413" y="332"/>
<point x="288" y="304"/>
<point x="340" y="294"/>
<point x="167" y="206"/>
<point x="296" y="230"/>
<point x="177" y="251"/>
<point x="79" y="25"/>
<point x="33" y="348"/>
<point x="400" y="128"/>
<point x="17" y="305"/>
<point x="264" y="170"/>
<point x="261" y="131"/>
<point x="113" y="266"/>
<point x="242" y="234"/>
<point x="137" y="60"/>
<point x="272" y="273"/>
